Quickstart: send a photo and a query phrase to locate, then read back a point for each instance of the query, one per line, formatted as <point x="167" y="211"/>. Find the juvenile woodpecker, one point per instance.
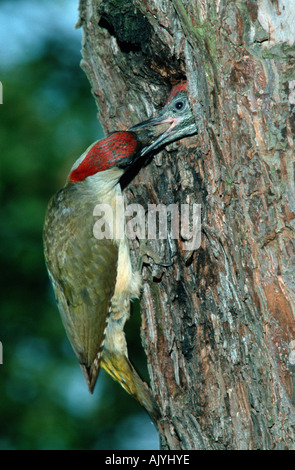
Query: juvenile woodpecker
<point x="93" y="278"/>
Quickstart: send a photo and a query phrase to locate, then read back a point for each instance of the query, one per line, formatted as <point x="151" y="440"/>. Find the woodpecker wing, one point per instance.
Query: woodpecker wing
<point x="83" y="272"/>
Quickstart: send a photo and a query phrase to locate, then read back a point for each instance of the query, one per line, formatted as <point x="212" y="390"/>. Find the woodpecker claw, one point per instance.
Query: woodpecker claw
<point x="145" y="251"/>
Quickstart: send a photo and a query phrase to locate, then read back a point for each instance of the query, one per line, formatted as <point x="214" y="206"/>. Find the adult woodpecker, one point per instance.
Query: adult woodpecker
<point x="93" y="278"/>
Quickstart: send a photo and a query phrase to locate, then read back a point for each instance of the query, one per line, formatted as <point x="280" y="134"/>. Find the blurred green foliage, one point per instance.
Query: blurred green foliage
<point x="48" y="118"/>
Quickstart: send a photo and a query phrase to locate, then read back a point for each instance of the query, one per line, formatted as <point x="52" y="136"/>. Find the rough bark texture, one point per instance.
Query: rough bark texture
<point x="218" y="325"/>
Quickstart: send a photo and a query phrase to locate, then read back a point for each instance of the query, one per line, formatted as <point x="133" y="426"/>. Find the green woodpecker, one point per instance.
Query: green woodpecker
<point x="93" y="279"/>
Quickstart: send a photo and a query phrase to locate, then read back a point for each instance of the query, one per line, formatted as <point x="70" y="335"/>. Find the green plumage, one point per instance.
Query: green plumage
<point x="82" y="269"/>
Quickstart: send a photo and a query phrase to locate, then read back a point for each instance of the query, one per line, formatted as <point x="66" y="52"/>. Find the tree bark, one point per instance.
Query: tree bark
<point x="218" y="325"/>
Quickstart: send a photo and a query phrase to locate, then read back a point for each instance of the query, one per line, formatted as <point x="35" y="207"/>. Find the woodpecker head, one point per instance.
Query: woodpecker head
<point x="119" y="149"/>
<point x="174" y="121"/>
<point x="123" y="148"/>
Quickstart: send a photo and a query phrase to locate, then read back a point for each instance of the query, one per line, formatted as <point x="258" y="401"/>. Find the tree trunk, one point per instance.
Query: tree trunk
<point x="218" y="325"/>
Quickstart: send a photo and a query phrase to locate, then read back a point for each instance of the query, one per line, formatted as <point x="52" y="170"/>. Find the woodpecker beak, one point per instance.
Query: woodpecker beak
<point x="158" y="128"/>
<point x="174" y="122"/>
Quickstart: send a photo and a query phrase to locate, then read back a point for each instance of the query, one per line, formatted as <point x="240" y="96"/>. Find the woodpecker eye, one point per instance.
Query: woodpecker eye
<point x="179" y="105"/>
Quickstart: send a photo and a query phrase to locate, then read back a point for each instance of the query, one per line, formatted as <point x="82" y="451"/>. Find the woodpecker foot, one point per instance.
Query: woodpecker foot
<point x="145" y="252"/>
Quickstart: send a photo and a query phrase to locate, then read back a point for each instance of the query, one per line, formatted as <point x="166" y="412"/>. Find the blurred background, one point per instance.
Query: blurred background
<point x="48" y="118"/>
